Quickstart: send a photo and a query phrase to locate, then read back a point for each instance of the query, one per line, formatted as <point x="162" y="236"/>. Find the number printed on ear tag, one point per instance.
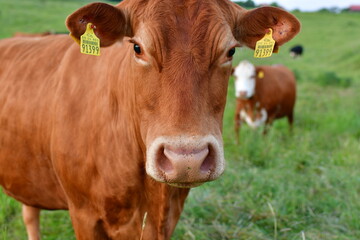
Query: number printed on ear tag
<point x="89" y="43"/>
<point x="265" y="46"/>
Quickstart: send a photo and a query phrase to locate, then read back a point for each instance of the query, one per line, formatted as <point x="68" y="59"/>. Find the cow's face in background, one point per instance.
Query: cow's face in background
<point x="245" y="80"/>
<point x="181" y="62"/>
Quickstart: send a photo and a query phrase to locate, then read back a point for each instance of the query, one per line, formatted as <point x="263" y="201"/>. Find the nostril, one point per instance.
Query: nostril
<point x="209" y="162"/>
<point x="163" y="162"/>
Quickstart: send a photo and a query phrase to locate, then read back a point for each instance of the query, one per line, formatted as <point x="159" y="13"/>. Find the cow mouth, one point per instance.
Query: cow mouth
<point x="186" y="185"/>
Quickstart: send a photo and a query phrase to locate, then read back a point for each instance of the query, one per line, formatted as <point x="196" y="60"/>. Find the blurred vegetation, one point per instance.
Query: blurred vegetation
<point x="332" y="79"/>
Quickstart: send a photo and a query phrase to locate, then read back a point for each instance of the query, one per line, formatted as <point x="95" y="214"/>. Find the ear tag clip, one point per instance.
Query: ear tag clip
<point x="261" y="75"/>
<point x="89" y="42"/>
<point x="265" y="46"/>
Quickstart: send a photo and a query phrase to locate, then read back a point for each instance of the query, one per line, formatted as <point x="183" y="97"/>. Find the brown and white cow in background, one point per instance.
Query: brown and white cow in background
<point x="263" y="94"/>
<point x="125" y="135"/>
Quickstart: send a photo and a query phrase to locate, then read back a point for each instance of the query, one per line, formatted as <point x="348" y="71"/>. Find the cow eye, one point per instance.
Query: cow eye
<point x="137" y="49"/>
<point x="231" y="52"/>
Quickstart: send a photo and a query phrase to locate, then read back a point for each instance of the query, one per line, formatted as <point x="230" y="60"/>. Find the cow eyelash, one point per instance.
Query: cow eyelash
<point x="137" y="48"/>
<point x="231" y="52"/>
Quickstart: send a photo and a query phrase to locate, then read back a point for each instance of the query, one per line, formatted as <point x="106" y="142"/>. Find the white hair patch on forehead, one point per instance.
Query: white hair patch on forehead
<point x="244" y="69"/>
<point x="245" y="76"/>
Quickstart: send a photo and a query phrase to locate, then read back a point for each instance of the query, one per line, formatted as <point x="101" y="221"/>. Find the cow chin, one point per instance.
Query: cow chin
<point x="185" y="161"/>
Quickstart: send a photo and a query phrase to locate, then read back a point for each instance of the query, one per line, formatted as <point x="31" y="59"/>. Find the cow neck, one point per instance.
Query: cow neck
<point x="164" y="205"/>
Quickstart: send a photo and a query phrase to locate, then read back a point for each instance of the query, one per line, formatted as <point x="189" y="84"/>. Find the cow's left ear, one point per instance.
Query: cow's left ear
<point x="252" y="25"/>
<point x="109" y="22"/>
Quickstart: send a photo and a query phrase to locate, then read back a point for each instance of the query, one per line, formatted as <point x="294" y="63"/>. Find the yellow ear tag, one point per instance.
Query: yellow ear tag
<point x="89" y="43"/>
<point x="265" y="46"/>
<point x="261" y="75"/>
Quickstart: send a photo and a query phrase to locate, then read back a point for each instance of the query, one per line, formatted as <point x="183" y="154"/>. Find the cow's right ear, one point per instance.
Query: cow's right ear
<point x="110" y="24"/>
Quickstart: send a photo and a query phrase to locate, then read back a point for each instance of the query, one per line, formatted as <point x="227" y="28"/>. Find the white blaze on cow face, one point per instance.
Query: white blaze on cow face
<point x="245" y="77"/>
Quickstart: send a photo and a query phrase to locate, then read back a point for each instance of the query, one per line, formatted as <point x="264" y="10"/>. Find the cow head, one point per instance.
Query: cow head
<point x="181" y="57"/>
<point x="245" y="79"/>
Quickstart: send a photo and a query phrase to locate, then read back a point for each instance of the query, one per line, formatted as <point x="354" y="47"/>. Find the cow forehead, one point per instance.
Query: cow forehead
<point x="181" y="13"/>
<point x="198" y="26"/>
<point x="245" y="70"/>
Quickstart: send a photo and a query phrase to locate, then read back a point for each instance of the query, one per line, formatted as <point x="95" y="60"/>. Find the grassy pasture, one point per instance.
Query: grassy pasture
<point x="282" y="187"/>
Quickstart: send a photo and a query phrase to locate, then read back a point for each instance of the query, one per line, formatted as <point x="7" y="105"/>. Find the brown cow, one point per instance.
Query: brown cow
<point x="125" y="135"/>
<point x="24" y="34"/>
<point x="263" y="94"/>
<point x="42" y="34"/>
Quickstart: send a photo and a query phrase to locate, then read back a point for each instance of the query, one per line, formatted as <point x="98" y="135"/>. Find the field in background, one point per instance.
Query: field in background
<point x="283" y="187"/>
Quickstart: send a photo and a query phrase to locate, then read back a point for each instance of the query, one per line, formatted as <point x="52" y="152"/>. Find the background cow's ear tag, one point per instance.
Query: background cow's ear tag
<point x="89" y="42"/>
<point x="265" y="46"/>
<point x="261" y="75"/>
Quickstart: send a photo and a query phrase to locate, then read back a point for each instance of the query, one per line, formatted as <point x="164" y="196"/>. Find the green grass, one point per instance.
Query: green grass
<point x="304" y="185"/>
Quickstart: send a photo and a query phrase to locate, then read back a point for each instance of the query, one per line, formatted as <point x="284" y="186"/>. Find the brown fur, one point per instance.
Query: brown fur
<point x="275" y="92"/>
<point x="74" y="128"/>
<point x="42" y="34"/>
<point x="23" y="34"/>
